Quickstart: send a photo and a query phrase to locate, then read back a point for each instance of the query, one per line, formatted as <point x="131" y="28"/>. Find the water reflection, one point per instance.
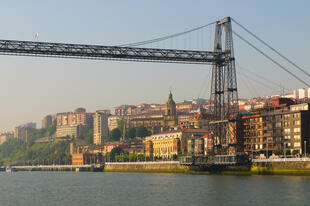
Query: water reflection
<point x="68" y="188"/>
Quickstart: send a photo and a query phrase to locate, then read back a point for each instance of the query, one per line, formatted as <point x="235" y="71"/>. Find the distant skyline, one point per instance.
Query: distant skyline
<point x="33" y="87"/>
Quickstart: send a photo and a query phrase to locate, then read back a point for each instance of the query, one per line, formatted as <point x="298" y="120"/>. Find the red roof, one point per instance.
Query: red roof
<point x="185" y="130"/>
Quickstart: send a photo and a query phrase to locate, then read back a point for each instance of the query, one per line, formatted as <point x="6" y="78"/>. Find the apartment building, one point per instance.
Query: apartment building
<point x="283" y="128"/>
<point x="101" y="128"/>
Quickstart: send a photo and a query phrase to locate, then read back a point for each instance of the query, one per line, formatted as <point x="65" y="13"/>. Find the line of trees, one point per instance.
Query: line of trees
<point x="117" y="133"/>
<point x="15" y="151"/>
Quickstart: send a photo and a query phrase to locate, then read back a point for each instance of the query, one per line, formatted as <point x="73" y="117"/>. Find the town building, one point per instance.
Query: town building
<point x="156" y="123"/>
<point x="302" y="93"/>
<point x="47" y="121"/>
<point x="101" y="129"/>
<point x="113" y="121"/>
<point x="73" y="131"/>
<point x="83" y="159"/>
<point x="278" y="129"/>
<point x="6" y="136"/>
<point x="22" y="132"/>
<point x="124" y="110"/>
<point x="73" y="124"/>
<point x="198" y="121"/>
<point x="175" y="142"/>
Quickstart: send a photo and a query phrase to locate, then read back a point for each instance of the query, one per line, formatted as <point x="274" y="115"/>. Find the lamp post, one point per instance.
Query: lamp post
<point x="284" y="147"/>
<point x="305" y="143"/>
<point x="267" y="147"/>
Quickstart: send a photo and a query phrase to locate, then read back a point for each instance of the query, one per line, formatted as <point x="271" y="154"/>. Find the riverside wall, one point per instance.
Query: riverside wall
<point x="165" y="166"/>
<point x="256" y="168"/>
<point x="281" y="167"/>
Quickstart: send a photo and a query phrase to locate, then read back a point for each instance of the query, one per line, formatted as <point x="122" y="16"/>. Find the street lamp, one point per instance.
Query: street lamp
<point x="305" y="143"/>
<point x="267" y="147"/>
<point x="284" y="147"/>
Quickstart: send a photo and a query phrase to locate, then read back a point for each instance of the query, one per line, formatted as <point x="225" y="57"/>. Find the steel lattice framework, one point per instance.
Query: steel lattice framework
<point x="80" y="51"/>
<point x="224" y="94"/>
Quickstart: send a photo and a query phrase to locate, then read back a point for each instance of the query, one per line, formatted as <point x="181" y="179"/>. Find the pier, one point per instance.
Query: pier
<point x="88" y="167"/>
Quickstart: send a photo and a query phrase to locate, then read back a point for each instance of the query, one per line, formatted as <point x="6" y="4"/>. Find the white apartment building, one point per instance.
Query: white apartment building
<point x="101" y="129"/>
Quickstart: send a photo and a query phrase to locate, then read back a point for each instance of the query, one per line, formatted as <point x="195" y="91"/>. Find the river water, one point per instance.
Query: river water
<point x="80" y="189"/>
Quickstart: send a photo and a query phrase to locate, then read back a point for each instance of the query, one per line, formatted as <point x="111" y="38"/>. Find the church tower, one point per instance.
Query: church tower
<point x="170" y="106"/>
<point x="170" y="113"/>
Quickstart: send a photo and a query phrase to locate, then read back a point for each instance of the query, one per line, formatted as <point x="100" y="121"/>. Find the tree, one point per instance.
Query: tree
<point x="121" y="124"/>
<point x="89" y="136"/>
<point x="131" y="133"/>
<point x="115" y="152"/>
<point x="115" y="134"/>
<point x="288" y="152"/>
<point x="141" y="131"/>
<point x="51" y="130"/>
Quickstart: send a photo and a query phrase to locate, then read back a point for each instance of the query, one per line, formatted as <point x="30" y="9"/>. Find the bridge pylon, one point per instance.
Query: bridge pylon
<point x="224" y="93"/>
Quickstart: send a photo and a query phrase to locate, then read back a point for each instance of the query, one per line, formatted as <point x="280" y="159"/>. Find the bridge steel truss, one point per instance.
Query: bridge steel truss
<point x="224" y="95"/>
<point x="80" y="51"/>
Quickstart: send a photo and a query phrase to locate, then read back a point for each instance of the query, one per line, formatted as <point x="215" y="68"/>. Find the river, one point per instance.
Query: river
<point x="88" y="189"/>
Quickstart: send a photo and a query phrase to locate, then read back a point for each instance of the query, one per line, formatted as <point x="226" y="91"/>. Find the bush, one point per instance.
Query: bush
<point x="295" y="152"/>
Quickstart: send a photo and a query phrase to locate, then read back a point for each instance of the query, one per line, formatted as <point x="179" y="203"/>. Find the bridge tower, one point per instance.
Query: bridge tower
<point x="224" y="94"/>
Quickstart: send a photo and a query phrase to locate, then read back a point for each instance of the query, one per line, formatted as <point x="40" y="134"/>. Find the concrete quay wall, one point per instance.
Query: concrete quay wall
<point x="281" y="167"/>
<point x="256" y="168"/>
<point x="89" y="168"/>
<point x="167" y="166"/>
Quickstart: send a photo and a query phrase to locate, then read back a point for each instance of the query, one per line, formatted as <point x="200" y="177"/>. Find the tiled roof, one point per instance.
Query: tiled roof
<point x="185" y="130"/>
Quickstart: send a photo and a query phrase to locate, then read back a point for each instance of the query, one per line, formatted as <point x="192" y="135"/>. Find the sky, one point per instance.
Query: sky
<point x="32" y="87"/>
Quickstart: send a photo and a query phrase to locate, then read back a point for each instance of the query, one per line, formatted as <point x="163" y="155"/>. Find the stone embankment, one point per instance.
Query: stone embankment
<point x="160" y="166"/>
<point x="300" y="166"/>
<point x="297" y="166"/>
<point x="289" y="166"/>
<point x="89" y="168"/>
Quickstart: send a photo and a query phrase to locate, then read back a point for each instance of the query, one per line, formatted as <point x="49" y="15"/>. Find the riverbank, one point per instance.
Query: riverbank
<point x="150" y="167"/>
<point x="256" y="168"/>
<point x="301" y="168"/>
<point x="281" y="168"/>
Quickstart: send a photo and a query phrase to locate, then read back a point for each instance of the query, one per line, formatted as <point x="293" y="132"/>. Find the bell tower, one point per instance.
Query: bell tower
<point x="170" y="117"/>
<point x="170" y="106"/>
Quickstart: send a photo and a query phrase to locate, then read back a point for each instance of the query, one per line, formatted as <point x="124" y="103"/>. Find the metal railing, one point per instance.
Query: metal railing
<point x="147" y="162"/>
<point x="303" y="159"/>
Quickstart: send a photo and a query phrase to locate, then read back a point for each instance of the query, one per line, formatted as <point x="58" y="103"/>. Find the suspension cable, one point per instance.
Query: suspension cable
<point x="165" y="37"/>
<point x="257" y="75"/>
<point x="273" y="49"/>
<point x="257" y="81"/>
<point x="271" y="59"/>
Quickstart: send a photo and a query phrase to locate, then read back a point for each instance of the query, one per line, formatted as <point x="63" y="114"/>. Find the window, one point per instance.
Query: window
<point x="287" y="137"/>
<point x="278" y="124"/>
<point x="286" y="116"/>
<point x="287" y="131"/>
<point x="296" y="122"/>
<point x="297" y="144"/>
<point x="286" y="123"/>
<point x="297" y="129"/>
<point x="297" y="137"/>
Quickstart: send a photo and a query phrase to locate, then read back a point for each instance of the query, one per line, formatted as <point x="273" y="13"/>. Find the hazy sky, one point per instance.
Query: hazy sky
<point x="33" y="87"/>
